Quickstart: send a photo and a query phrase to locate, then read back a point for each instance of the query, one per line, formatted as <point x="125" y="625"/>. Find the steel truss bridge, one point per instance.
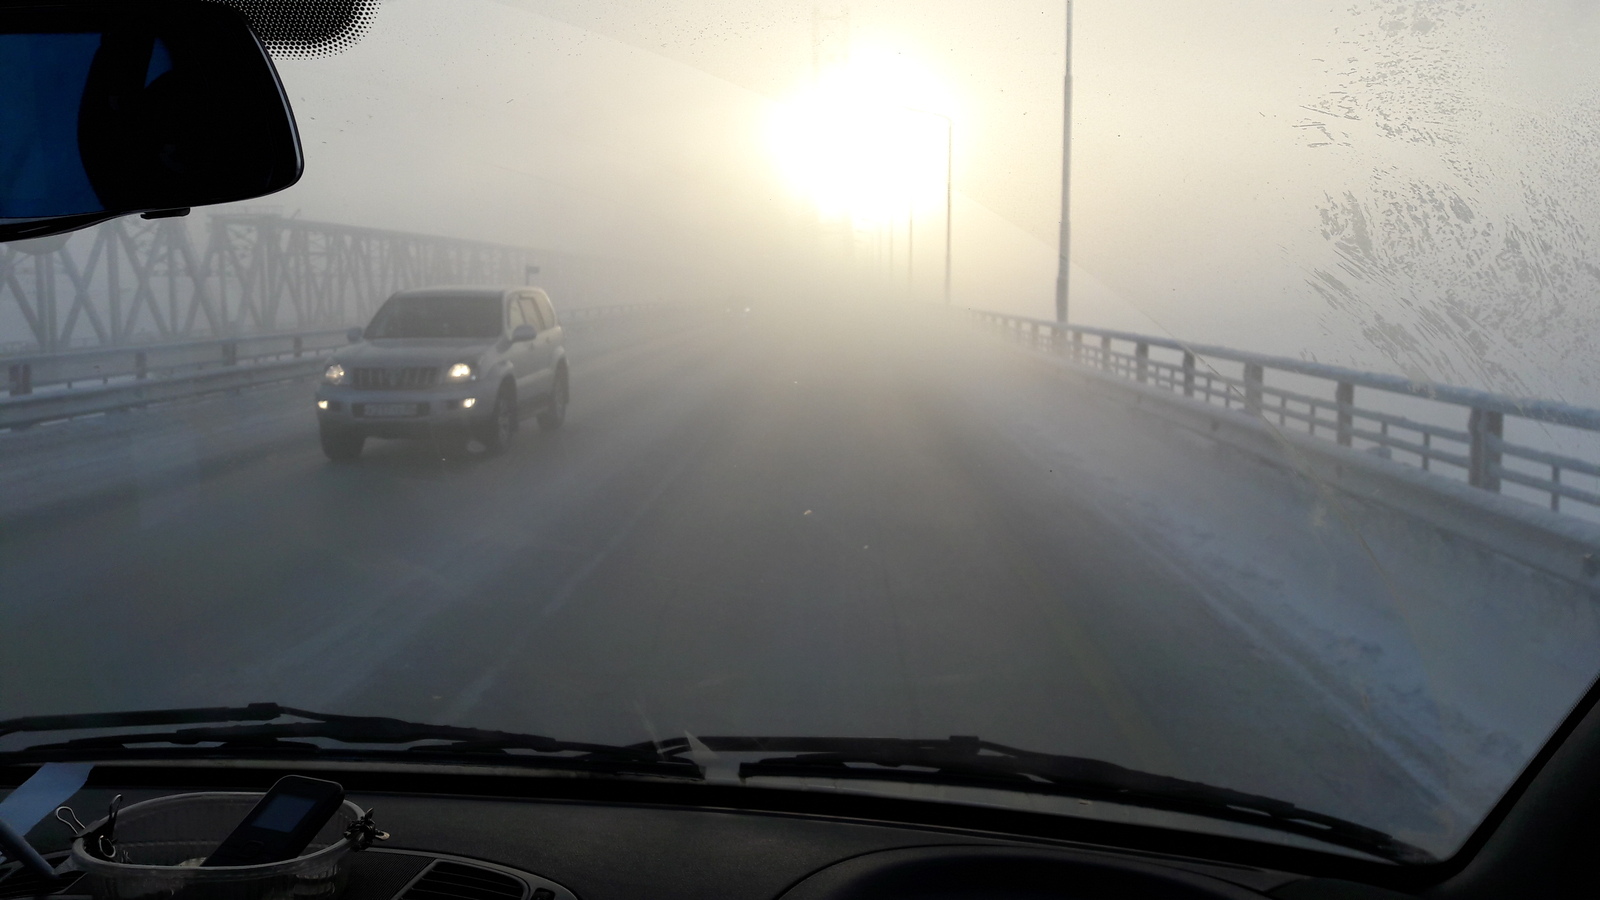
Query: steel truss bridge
<point x="134" y="281"/>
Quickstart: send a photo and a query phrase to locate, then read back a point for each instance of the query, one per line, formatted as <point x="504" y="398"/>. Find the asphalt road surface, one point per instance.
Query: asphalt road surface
<point x="749" y="525"/>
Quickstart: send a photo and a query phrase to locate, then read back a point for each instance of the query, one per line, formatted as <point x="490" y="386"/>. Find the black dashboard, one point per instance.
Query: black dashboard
<point x="475" y="848"/>
<point x="613" y="851"/>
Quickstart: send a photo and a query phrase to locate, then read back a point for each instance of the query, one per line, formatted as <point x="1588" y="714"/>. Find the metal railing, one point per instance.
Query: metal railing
<point x="590" y="313"/>
<point x="1460" y="429"/>
<point x="26" y="375"/>
<point x="127" y="279"/>
<point x="49" y="387"/>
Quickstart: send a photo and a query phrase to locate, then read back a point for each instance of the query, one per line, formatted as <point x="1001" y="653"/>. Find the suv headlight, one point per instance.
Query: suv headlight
<point x="460" y="372"/>
<point x="334" y="374"/>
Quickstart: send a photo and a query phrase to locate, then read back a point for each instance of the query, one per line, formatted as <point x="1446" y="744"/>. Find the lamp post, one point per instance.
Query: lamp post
<point x="1064" y="253"/>
<point x="949" y="158"/>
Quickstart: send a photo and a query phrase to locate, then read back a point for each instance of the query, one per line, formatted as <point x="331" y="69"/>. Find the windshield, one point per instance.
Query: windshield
<point x="1239" y="427"/>
<point x="443" y="316"/>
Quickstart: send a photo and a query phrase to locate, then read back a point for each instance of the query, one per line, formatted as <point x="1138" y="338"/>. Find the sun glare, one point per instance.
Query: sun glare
<point x="866" y="140"/>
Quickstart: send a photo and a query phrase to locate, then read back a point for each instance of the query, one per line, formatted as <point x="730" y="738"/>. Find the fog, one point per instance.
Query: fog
<point x="1396" y="186"/>
<point x="751" y="525"/>
<point x="800" y="511"/>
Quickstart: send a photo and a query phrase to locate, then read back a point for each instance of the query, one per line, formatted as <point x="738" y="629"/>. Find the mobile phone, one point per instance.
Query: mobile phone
<point x="282" y="824"/>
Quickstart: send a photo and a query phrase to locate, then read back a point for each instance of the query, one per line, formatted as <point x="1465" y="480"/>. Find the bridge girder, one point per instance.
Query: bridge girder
<point x="130" y="280"/>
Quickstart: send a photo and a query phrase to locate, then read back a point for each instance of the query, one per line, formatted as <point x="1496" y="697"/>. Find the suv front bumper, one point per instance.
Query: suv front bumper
<point x="403" y="414"/>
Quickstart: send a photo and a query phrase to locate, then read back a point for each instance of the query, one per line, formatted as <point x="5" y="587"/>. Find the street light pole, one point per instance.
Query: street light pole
<point x="949" y="181"/>
<point x="911" y="249"/>
<point x="1063" y="261"/>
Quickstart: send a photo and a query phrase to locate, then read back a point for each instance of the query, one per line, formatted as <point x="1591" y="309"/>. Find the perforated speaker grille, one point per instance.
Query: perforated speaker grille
<point x="303" y="29"/>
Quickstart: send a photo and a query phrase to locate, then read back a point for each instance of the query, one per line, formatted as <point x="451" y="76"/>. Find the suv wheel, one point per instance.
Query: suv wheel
<point x="556" y="411"/>
<point x="501" y="426"/>
<point x="340" y="445"/>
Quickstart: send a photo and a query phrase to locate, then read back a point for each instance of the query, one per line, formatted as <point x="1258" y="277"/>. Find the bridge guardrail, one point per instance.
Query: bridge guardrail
<point x="49" y="387"/>
<point x="28" y="374"/>
<point x="52" y="406"/>
<point x="1477" y="446"/>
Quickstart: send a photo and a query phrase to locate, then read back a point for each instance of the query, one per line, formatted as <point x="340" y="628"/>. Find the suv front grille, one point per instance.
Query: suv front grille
<point x="402" y="378"/>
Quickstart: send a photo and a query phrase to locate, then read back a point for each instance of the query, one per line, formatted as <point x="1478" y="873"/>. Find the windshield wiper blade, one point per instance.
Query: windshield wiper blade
<point x="958" y="761"/>
<point x="971" y="762"/>
<point x="255" y="712"/>
<point x="269" y="737"/>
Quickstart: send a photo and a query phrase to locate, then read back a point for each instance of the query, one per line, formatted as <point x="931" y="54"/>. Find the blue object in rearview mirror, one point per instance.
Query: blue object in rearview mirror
<point x="111" y="108"/>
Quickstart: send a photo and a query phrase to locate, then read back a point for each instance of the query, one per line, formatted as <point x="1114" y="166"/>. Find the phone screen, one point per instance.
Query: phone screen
<point x="284" y="812"/>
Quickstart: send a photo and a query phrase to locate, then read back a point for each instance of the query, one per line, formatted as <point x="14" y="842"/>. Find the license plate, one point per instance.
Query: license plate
<point x="388" y="410"/>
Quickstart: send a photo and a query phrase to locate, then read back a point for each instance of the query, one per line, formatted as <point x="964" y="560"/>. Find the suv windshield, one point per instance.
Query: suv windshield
<point x="1236" y="435"/>
<point x="438" y="316"/>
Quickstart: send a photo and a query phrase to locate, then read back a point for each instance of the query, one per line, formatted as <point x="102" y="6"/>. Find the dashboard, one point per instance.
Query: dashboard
<point x="472" y="848"/>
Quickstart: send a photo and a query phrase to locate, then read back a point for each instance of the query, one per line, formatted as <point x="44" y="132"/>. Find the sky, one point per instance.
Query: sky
<point x="1404" y="186"/>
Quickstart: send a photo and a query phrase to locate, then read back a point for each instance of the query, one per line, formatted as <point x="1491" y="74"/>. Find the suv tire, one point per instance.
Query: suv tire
<point x="496" y="432"/>
<point x="555" y="412"/>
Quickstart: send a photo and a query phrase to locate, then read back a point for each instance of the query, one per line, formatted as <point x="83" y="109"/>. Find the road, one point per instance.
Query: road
<point x="753" y="525"/>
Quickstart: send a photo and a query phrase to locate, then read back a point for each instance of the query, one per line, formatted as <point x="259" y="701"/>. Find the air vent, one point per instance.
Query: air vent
<point x="454" y="881"/>
<point x="378" y="875"/>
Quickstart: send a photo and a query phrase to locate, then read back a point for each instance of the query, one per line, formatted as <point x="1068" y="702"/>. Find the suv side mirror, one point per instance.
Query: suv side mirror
<point x="524" y="333"/>
<point x="113" y="108"/>
<point x="355" y="334"/>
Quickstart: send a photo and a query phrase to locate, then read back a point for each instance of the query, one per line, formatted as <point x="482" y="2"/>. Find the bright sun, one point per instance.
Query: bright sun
<point x="867" y="140"/>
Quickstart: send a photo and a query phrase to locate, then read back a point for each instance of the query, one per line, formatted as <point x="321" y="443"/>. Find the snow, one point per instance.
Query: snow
<point x="1453" y="659"/>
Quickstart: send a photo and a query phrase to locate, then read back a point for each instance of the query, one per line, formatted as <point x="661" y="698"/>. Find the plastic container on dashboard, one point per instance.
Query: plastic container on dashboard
<point x="156" y="838"/>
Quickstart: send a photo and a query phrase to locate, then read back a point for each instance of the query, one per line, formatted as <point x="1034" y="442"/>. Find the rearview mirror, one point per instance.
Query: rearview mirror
<point x="111" y="108"/>
<point x="524" y="333"/>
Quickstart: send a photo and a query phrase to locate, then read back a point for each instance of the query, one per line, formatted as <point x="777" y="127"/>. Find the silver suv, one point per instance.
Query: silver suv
<point x="446" y="365"/>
